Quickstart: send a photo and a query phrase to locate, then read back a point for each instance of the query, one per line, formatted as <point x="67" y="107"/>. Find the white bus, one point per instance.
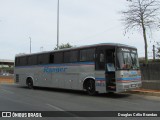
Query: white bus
<point x="101" y="68"/>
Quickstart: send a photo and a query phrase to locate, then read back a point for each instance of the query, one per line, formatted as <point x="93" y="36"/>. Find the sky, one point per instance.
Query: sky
<point x="82" y="22"/>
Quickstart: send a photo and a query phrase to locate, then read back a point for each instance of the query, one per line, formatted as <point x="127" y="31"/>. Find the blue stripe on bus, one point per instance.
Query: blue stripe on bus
<point x="55" y="65"/>
<point x="100" y="79"/>
<point x="130" y="78"/>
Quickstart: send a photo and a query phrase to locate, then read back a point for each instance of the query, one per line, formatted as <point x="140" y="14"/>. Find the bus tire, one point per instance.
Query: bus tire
<point x="29" y="83"/>
<point x="90" y="87"/>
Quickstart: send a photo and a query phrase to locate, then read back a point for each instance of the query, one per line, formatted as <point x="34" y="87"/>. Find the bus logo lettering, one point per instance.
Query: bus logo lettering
<point x="54" y="70"/>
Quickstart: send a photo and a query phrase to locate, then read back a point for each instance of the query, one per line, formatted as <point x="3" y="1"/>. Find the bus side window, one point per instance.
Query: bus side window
<point x="70" y="56"/>
<point x="100" y="60"/>
<point x="67" y="56"/>
<point x="43" y="58"/>
<point x="87" y="55"/>
<point x="51" y="60"/>
<point x="32" y="60"/>
<point x="17" y="61"/>
<point x="58" y="57"/>
<point x="74" y="56"/>
<point x="22" y="61"/>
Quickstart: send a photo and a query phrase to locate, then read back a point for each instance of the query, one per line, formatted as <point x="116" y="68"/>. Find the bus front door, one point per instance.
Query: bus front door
<point x="105" y="70"/>
<point x="110" y="70"/>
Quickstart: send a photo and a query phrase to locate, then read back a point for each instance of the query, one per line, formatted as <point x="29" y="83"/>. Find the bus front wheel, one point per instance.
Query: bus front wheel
<point x="90" y="87"/>
<point x="30" y="83"/>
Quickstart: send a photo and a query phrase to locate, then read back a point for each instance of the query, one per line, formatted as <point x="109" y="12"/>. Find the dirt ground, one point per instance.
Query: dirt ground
<point x="6" y="79"/>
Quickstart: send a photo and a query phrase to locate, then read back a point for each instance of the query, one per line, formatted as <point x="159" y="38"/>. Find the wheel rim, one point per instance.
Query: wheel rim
<point x="91" y="87"/>
<point x="30" y="85"/>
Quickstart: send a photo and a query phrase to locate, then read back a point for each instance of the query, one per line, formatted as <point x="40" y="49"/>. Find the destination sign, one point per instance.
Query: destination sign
<point x="128" y="50"/>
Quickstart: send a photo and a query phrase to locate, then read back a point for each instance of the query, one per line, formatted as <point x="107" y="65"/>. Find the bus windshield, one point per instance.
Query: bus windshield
<point x="127" y="59"/>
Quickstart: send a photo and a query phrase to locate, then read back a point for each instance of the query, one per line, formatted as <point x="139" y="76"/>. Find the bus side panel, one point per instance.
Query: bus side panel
<point x="70" y="81"/>
<point x="62" y="76"/>
<point x="73" y="76"/>
<point x="86" y="71"/>
<point x="20" y="76"/>
<point x="44" y="77"/>
<point x="100" y="82"/>
<point x="68" y="76"/>
<point x="58" y="76"/>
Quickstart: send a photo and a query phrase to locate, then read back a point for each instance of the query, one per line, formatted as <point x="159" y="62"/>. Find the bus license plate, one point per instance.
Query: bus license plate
<point x="133" y="85"/>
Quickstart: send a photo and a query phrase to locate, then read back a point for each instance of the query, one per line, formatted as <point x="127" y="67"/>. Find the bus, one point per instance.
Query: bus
<point x="102" y="68"/>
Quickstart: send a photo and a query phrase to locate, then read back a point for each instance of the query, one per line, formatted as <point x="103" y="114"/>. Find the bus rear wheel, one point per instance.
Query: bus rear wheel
<point x="30" y="83"/>
<point x="90" y="87"/>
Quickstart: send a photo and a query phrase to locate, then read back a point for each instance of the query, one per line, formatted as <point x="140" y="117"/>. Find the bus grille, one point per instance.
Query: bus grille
<point x="126" y="86"/>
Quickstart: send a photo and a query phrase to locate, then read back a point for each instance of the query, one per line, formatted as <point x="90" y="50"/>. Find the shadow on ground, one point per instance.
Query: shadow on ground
<point x="77" y="92"/>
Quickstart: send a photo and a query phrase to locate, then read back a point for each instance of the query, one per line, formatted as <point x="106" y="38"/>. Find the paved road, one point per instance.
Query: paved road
<point x="17" y="98"/>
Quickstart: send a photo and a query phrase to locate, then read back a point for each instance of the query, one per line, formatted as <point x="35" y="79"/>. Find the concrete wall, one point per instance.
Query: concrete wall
<point x="150" y="71"/>
<point x="152" y="85"/>
<point x="151" y="76"/>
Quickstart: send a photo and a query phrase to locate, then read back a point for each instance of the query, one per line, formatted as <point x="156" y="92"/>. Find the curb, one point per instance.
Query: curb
<point x="146" y="92"/>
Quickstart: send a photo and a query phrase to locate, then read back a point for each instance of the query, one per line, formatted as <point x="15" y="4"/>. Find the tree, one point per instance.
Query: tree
<point x="158" y="50"/>
<point x="62" y="46"/>
<point x="143" y="15"/>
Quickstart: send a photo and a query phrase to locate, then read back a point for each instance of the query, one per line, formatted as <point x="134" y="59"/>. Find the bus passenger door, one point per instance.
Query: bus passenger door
<point x="100" y="81"/>
<point x="110" y="70"/>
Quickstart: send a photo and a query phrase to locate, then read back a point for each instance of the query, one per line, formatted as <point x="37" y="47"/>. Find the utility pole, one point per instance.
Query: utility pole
<point x="58" y="25"/>
<point x="30" y="44"/>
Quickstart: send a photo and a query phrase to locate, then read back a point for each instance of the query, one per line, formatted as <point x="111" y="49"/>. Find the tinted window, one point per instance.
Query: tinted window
<point x="51" y="58"/>
<point x="32" y="60"/>
<point x="58" y="57"/>
<point x="17" y="60"/>
<point x="74" y="56"/>
<point x="43" y="58"/>
<point x="71" y="56"/>
<point x="87" y="55"/>
<point x="21" y="61"/>
<point x="67" y="57"/>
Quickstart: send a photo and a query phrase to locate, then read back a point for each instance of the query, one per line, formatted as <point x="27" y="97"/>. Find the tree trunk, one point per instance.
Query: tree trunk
<point x="146" y="45"/>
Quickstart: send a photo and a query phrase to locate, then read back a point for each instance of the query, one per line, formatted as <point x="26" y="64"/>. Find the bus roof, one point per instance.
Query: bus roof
<point x="80" y="47"/>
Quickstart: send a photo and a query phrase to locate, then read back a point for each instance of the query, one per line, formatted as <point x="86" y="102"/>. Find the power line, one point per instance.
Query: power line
<point x="108" y="29"/>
